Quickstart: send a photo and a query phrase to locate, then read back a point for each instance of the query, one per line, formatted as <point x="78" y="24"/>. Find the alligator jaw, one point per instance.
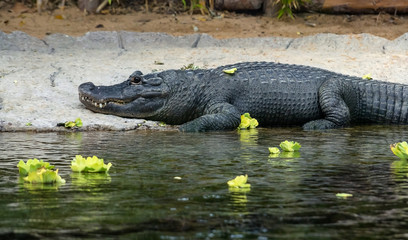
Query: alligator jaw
<point x="100" y="103"/>
<point x="123" y="99"/>
<point x="121" y="107"/>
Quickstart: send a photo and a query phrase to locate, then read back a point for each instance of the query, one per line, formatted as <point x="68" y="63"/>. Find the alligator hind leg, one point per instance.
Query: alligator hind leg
<point x="335" y="111"/>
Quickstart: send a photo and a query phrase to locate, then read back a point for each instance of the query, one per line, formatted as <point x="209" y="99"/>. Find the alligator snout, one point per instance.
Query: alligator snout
<point x="86" y="88"/>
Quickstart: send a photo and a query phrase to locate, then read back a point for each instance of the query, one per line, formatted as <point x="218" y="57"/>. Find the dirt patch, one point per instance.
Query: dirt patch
<point x="73" y="22"/>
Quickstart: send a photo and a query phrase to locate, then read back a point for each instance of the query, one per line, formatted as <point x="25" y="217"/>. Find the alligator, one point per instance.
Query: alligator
<point x="273" y="93"/>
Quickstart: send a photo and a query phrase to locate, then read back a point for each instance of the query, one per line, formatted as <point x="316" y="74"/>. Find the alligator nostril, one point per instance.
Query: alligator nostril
<point x="84" y="87"/>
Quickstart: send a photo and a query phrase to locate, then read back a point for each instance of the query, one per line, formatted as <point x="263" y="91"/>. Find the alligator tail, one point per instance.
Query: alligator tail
<point x="382" y="102"/>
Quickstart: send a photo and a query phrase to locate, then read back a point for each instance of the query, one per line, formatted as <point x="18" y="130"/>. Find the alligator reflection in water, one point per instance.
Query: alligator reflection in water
<point x="140" y="197"/>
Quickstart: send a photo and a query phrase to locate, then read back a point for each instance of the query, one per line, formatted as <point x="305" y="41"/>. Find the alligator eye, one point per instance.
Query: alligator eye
<point x="135" y="80"/>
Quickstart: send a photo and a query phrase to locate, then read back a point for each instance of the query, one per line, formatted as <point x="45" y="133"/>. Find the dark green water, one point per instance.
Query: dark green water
<point x="140" y="199"/>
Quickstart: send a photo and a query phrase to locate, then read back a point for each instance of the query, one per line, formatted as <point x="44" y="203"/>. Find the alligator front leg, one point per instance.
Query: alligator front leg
<point x="220" y="116"/>
<point x="335" y="111"/>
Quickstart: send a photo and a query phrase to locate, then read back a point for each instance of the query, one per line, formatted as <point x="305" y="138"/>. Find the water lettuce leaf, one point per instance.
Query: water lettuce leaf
<point x="239" y="182"/>
<point x="89" y="164"/>
<point x="343" y="195"/>
<point x="274" y="150"/>
<point x="43" y="175"/>
<point x="290" y="146"/>
<point x="76" y="123"/>
<point x="290" y="149"/>
<point x="230" y="71"/>
<point x="400" y="149"/>
<point x="69" y="124"/>
<point x="367" y="76"/>
<point x="32" y="165"/>
<point x="247" y="122"/>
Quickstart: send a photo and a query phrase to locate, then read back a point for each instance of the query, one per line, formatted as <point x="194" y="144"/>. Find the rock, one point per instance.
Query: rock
<point x="238" y="4"/>
<point x="88" y="5"/>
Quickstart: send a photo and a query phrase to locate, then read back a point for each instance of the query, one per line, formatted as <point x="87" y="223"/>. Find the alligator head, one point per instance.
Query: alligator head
<point x="139" y="96"/>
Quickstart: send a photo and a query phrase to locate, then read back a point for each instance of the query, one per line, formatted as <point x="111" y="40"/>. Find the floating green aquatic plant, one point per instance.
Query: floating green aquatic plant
<point x="289" y="150"/>
<point x="239" y="182"/>
<point x="247" y="122"/>
<point x="71" y="124"/>
<point x="32" y="165"/>
<point x="343" y="195"/>
<point x="274" y="150"/>
<point x="89" y="164"/>
<point x="400" y="149"/>
<point x="290" y="146"/>
<point x="400" y="167"/>
<point x="44" y="175"/>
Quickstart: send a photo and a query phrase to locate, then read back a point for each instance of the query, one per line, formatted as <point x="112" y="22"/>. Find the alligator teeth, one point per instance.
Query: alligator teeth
<point x="97" y="104"/>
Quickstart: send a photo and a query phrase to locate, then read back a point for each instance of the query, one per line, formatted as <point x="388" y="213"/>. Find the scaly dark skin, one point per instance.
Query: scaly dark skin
<point x="275" y="94"/>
